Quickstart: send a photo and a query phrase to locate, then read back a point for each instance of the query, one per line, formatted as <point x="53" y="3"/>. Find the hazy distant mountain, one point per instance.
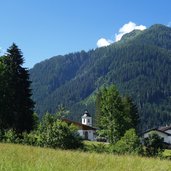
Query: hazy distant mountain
<point x="139" y="64"/>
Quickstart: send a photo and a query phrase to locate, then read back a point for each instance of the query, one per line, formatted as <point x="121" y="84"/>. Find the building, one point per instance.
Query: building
<point x="85" y="128"/>
<point x="163" y="132"/>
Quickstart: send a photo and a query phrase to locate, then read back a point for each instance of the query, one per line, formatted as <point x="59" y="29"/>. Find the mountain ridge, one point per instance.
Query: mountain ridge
<point x="73" y="78"/>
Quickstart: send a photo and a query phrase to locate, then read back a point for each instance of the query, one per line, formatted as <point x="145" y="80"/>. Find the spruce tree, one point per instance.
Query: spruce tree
<point x="131" y="111"/>
<point x="5" y="96"/>
<point x="20" y="103"/>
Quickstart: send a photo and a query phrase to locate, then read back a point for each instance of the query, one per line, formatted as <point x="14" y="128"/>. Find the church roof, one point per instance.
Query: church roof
<point x="86" y="114"/>
<point x="80" y="125"/>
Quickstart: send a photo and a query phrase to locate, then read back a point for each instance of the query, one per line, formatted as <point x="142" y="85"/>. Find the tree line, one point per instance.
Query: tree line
<point x="117" y="116"/>
<point x="139" y="66"/>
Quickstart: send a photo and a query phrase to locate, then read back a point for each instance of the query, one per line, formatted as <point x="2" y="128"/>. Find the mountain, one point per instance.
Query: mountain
<point x="139" y="64"/>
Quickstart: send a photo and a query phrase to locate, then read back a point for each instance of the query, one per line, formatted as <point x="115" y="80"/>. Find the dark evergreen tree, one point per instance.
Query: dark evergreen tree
<point x="98" y="111"/>
<point x="5" y="94"/>
<point x="20" y="104"/>
<point x="131" y="111"/>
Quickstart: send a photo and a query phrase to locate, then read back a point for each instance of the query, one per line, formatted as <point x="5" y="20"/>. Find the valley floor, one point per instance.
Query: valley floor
<point x="26" y="158"/>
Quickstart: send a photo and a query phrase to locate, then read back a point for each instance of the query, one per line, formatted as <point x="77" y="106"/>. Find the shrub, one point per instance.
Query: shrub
<point x="10" y="136"/>
<point x="128" y="144"/>
<point x="153" y="145"/>
<point x="51" y="132"/>
<point x="61" y="135"/>
<point x="32" y="138"/>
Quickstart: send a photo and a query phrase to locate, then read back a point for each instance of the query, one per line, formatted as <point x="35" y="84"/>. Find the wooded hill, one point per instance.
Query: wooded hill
<point x="139" y="65"/>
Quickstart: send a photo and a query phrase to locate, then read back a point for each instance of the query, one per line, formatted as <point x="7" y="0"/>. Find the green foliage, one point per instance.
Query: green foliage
<point x="115" y="114"/>
<point x="11" y="136"/>
<point x="98" y="147"/>
<point x="128" y="144"/>
<point x="153" y="145"/>
<point x="57" y="134"/>
<point x="61" y="135"/>
<point x="131" y="113"/>
<point x="139" y="65"/>
<point x="111" y="114"/>
<point x="16" y="104"/>
<point x="51" y="132"/>
<point x="33" y="138"/>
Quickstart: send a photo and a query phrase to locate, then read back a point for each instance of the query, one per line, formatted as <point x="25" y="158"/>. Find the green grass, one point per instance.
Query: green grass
<point x="26" y="158"/>
<point x="167" y="153"/>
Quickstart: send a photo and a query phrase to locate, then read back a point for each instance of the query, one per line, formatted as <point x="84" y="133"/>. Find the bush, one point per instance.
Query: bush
<point x="62" y="135"/>
<point x="32" y="138"/>
<point x="10" y="136"/>
<point x="153" y="145"/>
<point x="51" y="132"/>
<point x="128" y="144"/>
<point x="99" y="148"/>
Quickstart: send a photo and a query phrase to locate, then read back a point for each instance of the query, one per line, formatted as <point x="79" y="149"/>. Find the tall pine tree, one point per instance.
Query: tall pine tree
<point x="19" y="100"/>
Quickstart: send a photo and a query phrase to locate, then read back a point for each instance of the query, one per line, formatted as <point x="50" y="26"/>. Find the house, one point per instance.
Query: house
<point x="163" y="132"/>
<point x="85" y="128"/>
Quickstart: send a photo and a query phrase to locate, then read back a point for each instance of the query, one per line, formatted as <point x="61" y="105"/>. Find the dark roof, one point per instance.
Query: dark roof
<point x="86" y="114"/>
<point x="155" y="129"/>
<point x="80" y="125"/>
<point x="165" y="128"/>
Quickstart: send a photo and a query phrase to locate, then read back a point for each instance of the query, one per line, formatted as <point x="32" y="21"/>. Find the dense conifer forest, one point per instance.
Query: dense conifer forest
<point x="139" y="65"/>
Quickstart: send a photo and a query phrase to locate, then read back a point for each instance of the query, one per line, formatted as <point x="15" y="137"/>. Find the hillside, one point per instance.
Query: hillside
<point x="18" y="158"/>
<point x="140" y="66"/>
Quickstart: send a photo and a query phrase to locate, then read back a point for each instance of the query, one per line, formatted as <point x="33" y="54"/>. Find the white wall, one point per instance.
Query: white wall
<point x="168" y="131"/>
<point x="167" y="138"/>
<point x="87" y="121"/>
<point x="91" y="134"/>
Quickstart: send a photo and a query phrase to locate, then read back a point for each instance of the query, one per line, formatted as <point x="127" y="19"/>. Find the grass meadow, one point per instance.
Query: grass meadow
<point x="26" y="158"/>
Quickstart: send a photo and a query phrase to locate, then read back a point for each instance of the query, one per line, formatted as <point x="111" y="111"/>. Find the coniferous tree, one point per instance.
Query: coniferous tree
<point x="2" y="88"/>
<point x="20" y="102"/>
<point x="131" y="111"/>
<point x="5" y="94"/>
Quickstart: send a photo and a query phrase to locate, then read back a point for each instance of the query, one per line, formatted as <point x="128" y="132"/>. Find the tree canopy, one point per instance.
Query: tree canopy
<point x="116" y="114"/>
<point x="16" y="104"/>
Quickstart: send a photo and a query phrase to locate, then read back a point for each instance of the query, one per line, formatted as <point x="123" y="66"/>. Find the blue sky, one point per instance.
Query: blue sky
<point x="46" y="28"/>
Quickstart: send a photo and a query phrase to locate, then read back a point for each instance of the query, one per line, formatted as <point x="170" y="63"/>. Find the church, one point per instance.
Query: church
<point x="85" y="128"/>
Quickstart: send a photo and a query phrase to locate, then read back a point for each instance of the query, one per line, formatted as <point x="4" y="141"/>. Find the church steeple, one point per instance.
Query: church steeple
<point x="86" y="118"/>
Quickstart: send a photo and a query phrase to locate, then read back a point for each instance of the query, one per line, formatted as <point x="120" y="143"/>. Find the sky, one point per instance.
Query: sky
<point x="46" y="28"/>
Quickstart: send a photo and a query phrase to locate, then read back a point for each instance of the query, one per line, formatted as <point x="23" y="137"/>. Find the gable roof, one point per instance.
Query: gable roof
<point x="158" y="130"/>
<point x="80" y="125"/>
<point x="165" y="128"/>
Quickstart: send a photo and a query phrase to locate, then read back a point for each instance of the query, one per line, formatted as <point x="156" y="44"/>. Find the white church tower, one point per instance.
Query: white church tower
<point x="87" y="119"/>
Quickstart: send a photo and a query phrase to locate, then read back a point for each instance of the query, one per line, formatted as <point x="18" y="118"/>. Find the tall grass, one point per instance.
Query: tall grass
<point x="26" y="158"/>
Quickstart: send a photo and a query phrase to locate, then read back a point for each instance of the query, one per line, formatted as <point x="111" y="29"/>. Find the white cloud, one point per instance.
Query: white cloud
<point x="103" y="42"/>
<point x="169" y="24"/>
<point x="127" y="28"/>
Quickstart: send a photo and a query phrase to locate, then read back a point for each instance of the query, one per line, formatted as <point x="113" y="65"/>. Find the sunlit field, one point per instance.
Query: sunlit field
<point x="18" y="157"/>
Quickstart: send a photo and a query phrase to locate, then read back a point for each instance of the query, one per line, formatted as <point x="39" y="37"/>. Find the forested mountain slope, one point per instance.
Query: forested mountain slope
<point x="139" y="64"/>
